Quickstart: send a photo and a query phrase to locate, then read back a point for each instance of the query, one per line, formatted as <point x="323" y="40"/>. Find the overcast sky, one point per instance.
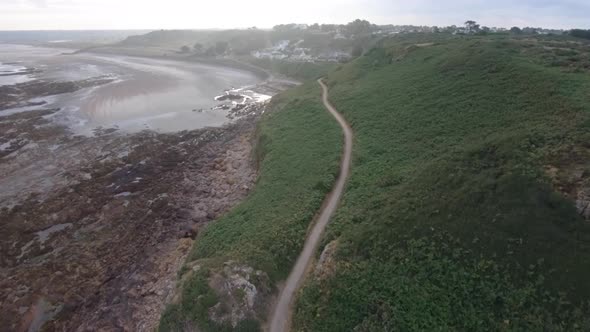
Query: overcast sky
<point x="197" y="14"/>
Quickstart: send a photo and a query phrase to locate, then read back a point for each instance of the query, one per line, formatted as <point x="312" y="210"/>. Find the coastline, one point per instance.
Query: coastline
<point x="172" y="55"/>
<point x="167" y="54"/>
<point x="114" y="227"/>
<point x="103" y="223"/>
<point x="171" y="93"/>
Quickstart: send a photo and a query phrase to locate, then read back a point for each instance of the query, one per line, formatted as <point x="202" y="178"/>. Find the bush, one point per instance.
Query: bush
<point x="580" y="33"/>
<point x="516" y="30"/>
<point x="357" y="51"/>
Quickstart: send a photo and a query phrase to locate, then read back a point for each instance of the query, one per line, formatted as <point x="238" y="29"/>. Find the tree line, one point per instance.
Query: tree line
<point x="580" y="33"/>
<point x="353" y="36"/>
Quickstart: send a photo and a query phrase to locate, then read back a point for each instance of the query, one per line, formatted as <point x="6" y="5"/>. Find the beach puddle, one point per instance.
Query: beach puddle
<point x="46" y="233"/>
<point x="14" y="73"/>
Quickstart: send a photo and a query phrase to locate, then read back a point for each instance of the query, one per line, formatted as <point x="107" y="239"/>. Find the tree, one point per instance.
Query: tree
<point x="579" y="33"/>
<point x="285" y="27"/>
<point x="244" y="44"/>
<point x="450" y="29"/>
<point x="357" y="51"/>
<point x="328" y="27"/>
<point x="198" y="48"/>
<point x="471" y="27"/>
<point x="210" y="51"/>
<point x="516" y="30"/>
<point x="185" y="49"/>
<point x="484" y="31"/>
<point x="358" y="27"/>
<point x="220" y="47"/>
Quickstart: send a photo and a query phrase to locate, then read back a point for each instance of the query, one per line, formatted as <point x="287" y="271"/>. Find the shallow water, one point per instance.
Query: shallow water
<point x="10" y="73"/>
<point x="46" y="233"/>
<point x="161" y="95"/>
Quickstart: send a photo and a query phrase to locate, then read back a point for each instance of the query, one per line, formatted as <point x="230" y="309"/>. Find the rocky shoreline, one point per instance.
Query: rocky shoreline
<point x="102" y="248"/>
<point x="28" y="94"/>
<point x="95" y="229"/>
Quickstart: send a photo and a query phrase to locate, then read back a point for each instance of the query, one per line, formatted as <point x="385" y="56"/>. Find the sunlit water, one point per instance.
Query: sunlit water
<point x="146" y="93"/>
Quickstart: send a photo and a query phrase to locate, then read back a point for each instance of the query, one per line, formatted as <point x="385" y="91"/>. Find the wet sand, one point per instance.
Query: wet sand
<point x="144" y="93"/>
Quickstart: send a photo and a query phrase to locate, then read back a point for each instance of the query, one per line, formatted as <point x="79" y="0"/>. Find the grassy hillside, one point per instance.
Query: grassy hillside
<point x="460" y="213"/>
<point x="302" y="71"/>
<point x="471" y="154"/>
<point x="298" y="150"/>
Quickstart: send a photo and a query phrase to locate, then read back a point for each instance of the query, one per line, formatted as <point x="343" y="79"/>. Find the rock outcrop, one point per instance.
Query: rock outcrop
<point x="243" y="293"/>
<point x="326" y="264"/>
<point x="94" y="229"/>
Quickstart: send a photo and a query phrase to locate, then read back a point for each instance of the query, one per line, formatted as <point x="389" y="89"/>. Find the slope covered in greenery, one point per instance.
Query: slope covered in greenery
<point x="298" y="149"/>
<point x="460" y="213"/>
<point x="302" y="71"/>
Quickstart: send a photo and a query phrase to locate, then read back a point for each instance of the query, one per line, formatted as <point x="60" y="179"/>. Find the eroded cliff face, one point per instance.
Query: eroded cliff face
<point x="94" y="230"/>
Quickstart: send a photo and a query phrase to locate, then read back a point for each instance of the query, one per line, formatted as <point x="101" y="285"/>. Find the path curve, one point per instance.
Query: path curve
<point x="281" y="317"/>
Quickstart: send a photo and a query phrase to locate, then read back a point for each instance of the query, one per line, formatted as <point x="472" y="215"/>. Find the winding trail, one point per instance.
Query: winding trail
<point x="281" y="317"/>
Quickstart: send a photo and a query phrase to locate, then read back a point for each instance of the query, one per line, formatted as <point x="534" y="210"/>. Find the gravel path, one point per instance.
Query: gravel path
<point x="280" y="320"/>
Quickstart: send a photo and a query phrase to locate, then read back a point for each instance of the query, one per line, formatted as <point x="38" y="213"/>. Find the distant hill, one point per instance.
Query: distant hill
<point x="178" y="38"/>
<point x="86" y="36"/>
<point x="169" y="38"/>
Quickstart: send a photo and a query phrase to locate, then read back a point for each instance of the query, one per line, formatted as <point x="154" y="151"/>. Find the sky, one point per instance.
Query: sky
<point x="202" y="14"/>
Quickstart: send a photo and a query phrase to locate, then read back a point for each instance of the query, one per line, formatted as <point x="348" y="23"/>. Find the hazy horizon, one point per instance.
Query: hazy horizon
<point x="35" y="15"/>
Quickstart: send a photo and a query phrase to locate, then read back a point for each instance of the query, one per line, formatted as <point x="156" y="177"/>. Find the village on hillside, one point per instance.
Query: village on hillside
<point x="348" y="41"/>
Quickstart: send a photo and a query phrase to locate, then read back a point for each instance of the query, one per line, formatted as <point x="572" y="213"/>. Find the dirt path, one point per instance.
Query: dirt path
<point x="280" y="320"/>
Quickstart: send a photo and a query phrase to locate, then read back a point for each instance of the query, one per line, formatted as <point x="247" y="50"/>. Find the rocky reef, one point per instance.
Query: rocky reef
<point x="94" y="229"/>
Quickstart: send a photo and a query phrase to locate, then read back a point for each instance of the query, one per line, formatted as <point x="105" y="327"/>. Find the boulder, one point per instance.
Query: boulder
<point x="243" y="292"/>
<point x="189" y="230"/>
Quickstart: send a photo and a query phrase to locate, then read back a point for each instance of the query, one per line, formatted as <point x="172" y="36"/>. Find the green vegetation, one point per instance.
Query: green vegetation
<point x="433" y="283"/>
<point x="315" y="39"/>
<point x="298" y="150"/>
<point x="460" y="214"/>
<point x="580" y="33"/>
<point x="470" y="152"/>
<point x="303" y="71"/>
<point x="206" y="41"/>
